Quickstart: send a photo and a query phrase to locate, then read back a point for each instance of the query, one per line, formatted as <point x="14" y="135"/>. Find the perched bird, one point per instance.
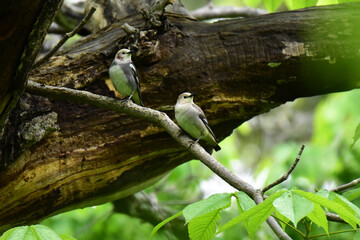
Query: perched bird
<point x="124" y="77"/>
<point x="192" y="119"/>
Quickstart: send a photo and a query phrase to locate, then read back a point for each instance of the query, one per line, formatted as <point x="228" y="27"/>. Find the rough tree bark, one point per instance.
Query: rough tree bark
<point x="239" y="68"/>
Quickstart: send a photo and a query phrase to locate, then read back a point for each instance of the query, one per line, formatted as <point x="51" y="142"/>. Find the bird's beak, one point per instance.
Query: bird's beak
<point x="193" y="94"/>
<point x="130" y="52"/>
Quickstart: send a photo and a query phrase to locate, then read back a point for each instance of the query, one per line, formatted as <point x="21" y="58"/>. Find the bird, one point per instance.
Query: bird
<point x="124" y="77"/>
<point x="192" y="119"/>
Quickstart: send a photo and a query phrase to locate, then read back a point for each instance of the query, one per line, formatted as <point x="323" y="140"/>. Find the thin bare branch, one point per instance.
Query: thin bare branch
<point x="346" y="186"/>
<point x="287" y="174"/>
<point x="210" y="11"/>
<point x="160" y="118"/>
<point x="65" y="38"/>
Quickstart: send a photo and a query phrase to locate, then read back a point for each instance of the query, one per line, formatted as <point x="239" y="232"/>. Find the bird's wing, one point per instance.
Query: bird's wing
<point x="134" y="73"/>
<point x="204" y="120"/>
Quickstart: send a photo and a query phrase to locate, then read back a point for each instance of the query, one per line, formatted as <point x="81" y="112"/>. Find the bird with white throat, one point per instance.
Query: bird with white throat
<point x="124" y="77"/>
<point x="192" y="119"/>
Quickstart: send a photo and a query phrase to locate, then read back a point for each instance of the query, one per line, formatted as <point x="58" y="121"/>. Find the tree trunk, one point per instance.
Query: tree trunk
<point x="238" y="68"/>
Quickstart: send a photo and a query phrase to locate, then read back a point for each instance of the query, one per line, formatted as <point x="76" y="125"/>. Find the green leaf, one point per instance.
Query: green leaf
<point x="352" y="194"/>
<point x="346" y="203"/>
<point x="327" y="2"/>
<point x="318" y="216"/>
<point x="204" y="226"/>
<point x="356" y="136"/>
<point x="283" y="219"/>
<point x="260" y="209"/>
<point x="157" y="227"/>
<point x="293" y="206"/>
<point x="245" y="202"/>
<point x="297" y="4"/>
<point x="36" y="232"/>
<point x="252" y="3"/>
<point x="343" y="1"/>
<point x="357" y="235"/>
<point x="272" y="5"/>
<point x="67" y="237"/>
<point x="214" y="202"/>
<point x="333" y="206"/>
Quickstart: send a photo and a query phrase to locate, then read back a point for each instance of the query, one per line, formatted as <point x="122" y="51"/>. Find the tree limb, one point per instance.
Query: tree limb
<point x="65" y="38"/>
<point x="287" y="174"/>
<point x="346" y="186"/>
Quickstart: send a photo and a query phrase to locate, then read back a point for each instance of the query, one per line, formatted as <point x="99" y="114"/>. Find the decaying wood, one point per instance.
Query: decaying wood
<point x="23" y="28"/>
<point x="239" y="68"/>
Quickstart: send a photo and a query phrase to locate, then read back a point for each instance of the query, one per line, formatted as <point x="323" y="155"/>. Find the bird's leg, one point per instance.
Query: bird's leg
<point x="196" y="141"/>
<point x="131" y="95"/>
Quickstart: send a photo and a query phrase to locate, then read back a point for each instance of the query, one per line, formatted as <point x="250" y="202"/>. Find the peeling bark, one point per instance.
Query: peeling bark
<point x="239" y="68"/>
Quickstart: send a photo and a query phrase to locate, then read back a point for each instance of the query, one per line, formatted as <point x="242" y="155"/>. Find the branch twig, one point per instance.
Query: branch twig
<point x="161" y="119"/>
<point x="65" y="38"/>
<point x="346" y="186"/>
<point x="287" y="174"/>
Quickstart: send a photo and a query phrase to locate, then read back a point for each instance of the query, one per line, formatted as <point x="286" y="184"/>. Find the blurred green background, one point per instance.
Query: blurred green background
<point x="259" y="151"/>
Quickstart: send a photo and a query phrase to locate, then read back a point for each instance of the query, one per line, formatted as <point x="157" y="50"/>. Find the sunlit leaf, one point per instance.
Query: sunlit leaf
<point x="33" y="232"/>
<point x="346" y="203"/>
<point x="356" y="135"/>
<point x="260" y="209"/>
<point x="327" y="2"/>
<point x="318" y="216"/>
<point x="293" y="206"/>
<point x="296" y="4"/>
<point x="244" y="203"/>
<point x="352" y="194"/>
<point x="157" y="227"/>
<point x="272" y="5"/>
<point x="214" y="202"/>
<point x="283" y="219"/>
<point x="204" y="226"/>
<point x="252" y="3"/>
<point x="333" y="206"/>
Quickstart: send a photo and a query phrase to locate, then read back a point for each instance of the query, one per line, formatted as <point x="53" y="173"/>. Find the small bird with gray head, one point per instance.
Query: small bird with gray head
<point x="124" y="77"/>
<point x="192" y="119"/>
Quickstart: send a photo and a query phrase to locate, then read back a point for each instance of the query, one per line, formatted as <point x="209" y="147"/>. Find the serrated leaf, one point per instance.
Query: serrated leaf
<point x="293" y="206"/>
<point x="36" y="232"/>
<point x="252" y="3"/>
<point x="297" y="4"/>
<point x="258" y="218"/>
<point x="157" y="227"/>
<point x="352" y="194"/>
<point x="204" y="226"/>
<point x="212" y="203"/>
<point x="265" y="205"/>
<point x="244" y="203"/>
<point x="346" y="203"/>
<point x="283" y="219"/>
<point x="318" y="216"/>
<point x="356" y="136"/>
<point x="272" y="5"/>
<point x="333" y="206"/>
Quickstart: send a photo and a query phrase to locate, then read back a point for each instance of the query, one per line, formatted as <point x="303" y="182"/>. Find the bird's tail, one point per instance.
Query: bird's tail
<point x="217" y="147"/>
